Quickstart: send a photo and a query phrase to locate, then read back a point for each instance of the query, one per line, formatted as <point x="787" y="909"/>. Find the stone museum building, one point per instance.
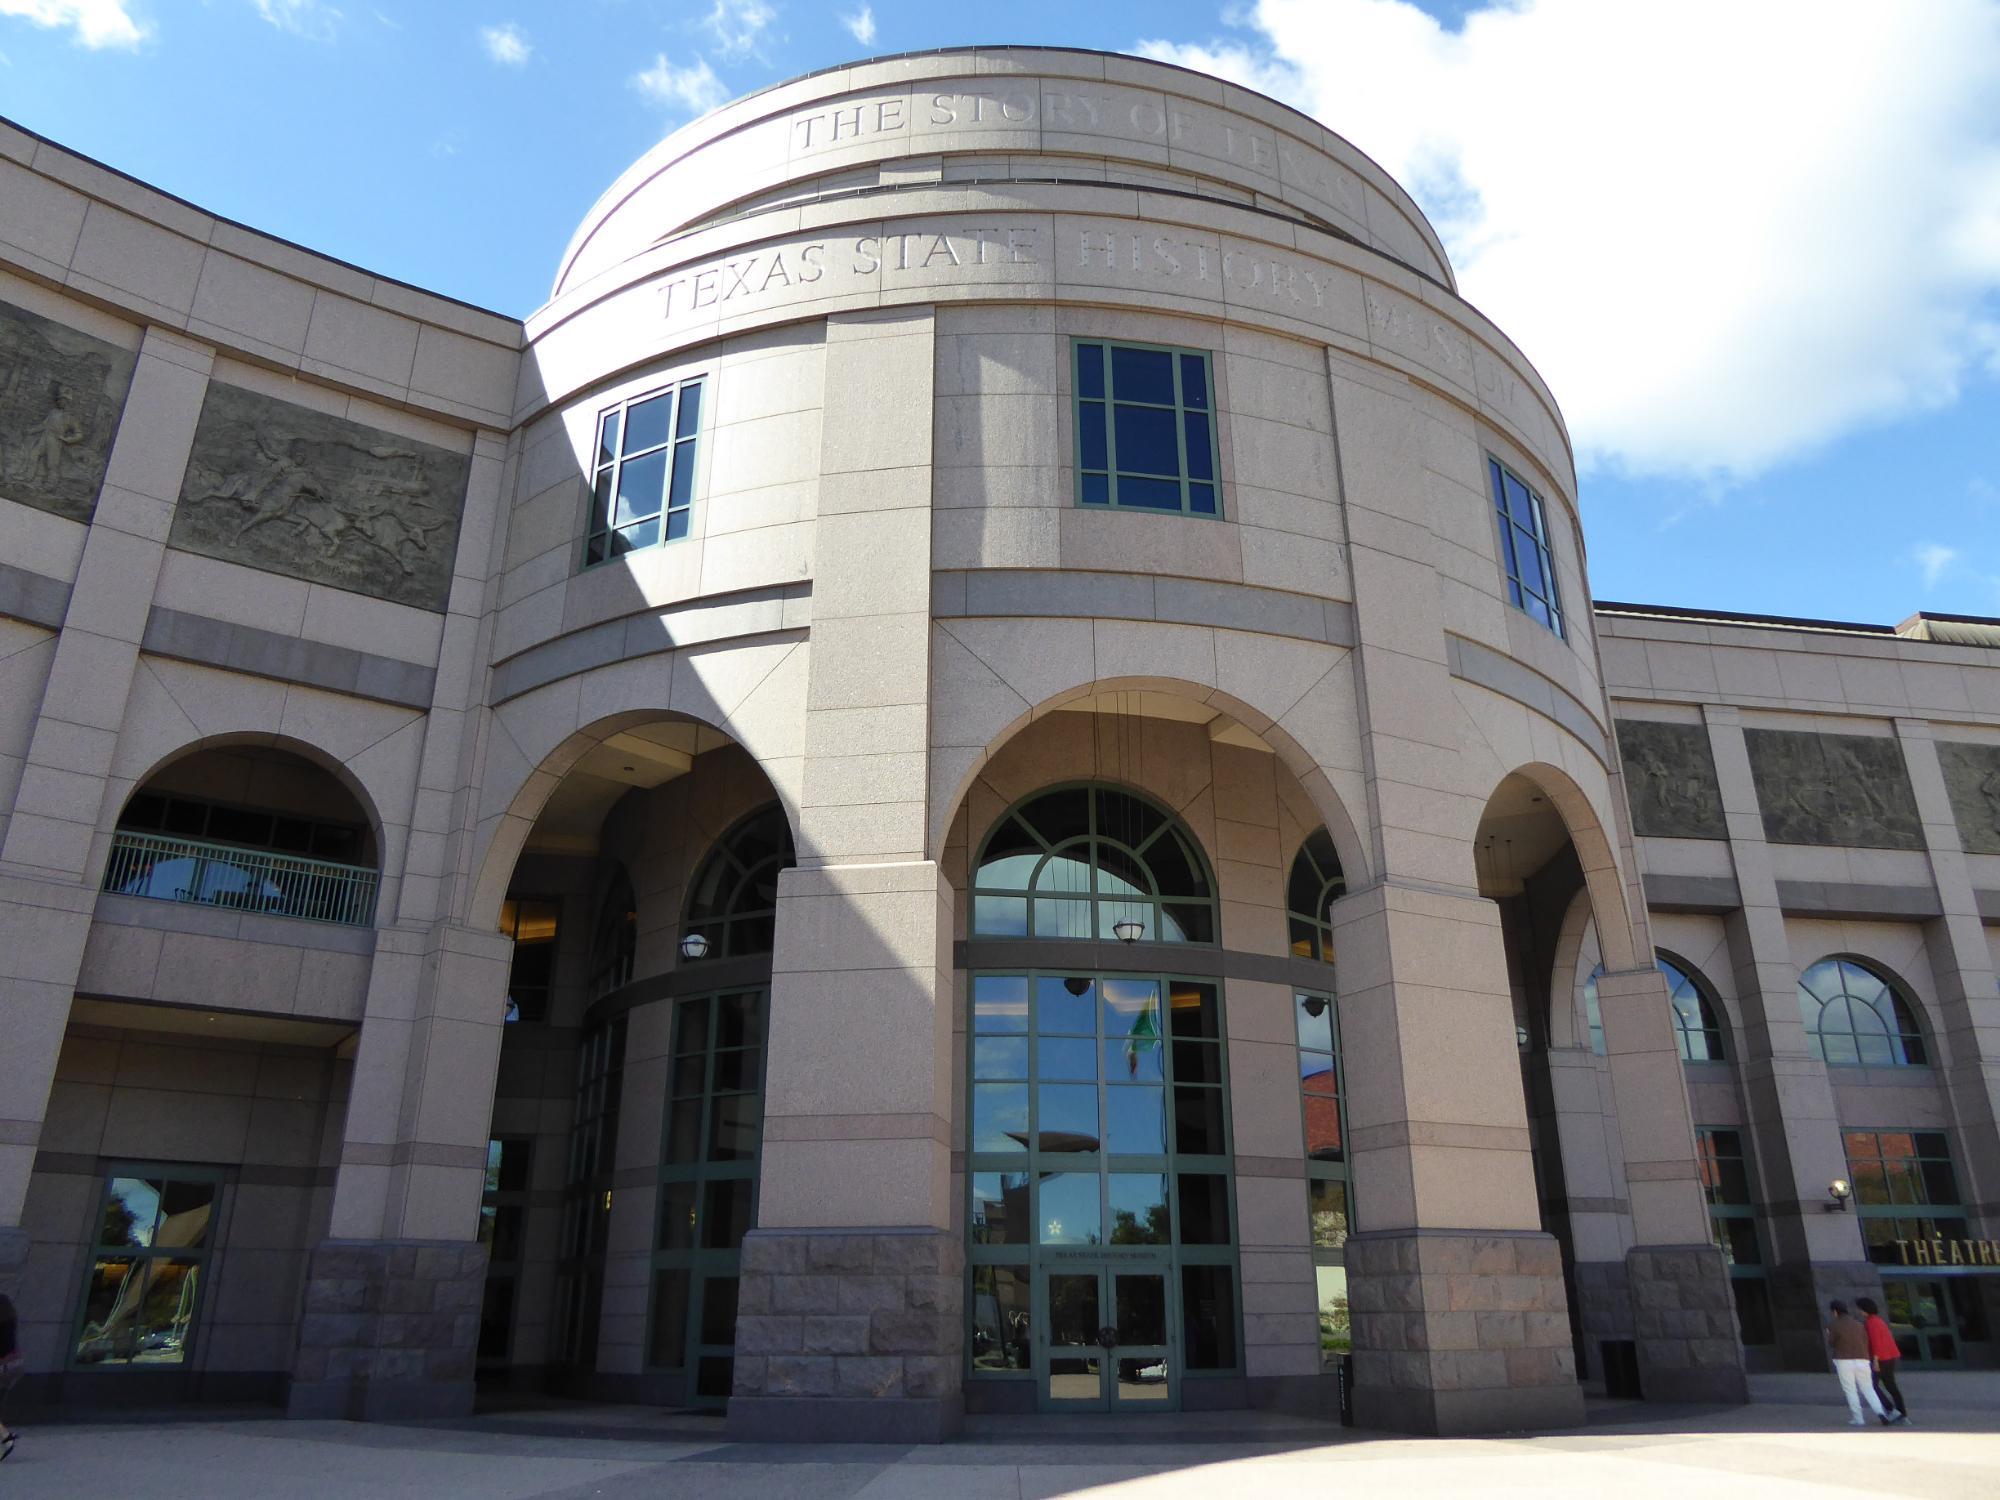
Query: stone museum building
<point x="977" y="774"/>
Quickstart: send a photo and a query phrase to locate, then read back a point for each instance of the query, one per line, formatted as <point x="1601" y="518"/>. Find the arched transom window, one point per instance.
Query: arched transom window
<point x="1697" y="1028"/>
<point x="1316" y="880"/>
<point x="733" y="899"/>
<point x="1077" y="861"/>
<point x="1855" y="1018"/>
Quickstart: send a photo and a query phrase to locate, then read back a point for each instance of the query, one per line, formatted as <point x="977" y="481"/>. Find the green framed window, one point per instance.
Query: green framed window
<point x="1526" y="554"/>
<point x="531" y="972"/>
<point x="1855" y="1017"/>
<point x="586" y="1219"/>
<point x="643" y="471"/>
<point x="1329" y="1188"/>
<point x="1905" y="1188"/>
<point x="1732" y="1219"/>
<point x="1099" y="1124"/>
<point x="708" y="1188"/>
<point x="733" y="898"/>
<point x="1316" y="883"/>
<point x="503" y="1230"/>
<point x="156" y="1227"/>
<point x="1145" y="427"/>
<point x="1079" y="861"/>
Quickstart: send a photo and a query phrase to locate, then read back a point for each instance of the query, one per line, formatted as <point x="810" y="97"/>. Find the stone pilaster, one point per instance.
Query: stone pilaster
<point x="1683" y="1312"/>
<point x="52" y="854"/>
<point x="1460" y="1332"/>
<point x="849" y="1337"/>
<point x="1794" y="1123"/>
<point x="390" y="1330"/>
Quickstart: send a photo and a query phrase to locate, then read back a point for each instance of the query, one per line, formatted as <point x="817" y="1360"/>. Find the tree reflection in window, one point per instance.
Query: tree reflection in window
<point x="1856" y="1018"/>
<point x="733" y="899"/>
<point x="1075" y="861"/>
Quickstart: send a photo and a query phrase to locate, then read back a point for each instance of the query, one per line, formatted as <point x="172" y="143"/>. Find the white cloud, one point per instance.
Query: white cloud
<point x="97" y="23"/>
<point x="1934" y="558"/>
<point x="506" y="44"/>
<point x="694" y="88"/>
<point x="307" y="18"/>
<point x="1725" y="233"/>
<point x="738" y="26"/>
<point x="861" y="25"/>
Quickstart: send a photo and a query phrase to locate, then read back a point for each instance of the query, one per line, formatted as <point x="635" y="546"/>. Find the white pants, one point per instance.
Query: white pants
<point x="1857" y="1384"/>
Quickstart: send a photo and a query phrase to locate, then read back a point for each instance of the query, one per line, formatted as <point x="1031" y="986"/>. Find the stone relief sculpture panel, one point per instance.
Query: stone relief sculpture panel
<point x="1833" y="789"/>
<point x="61" y="393"/>
<point x="1670" y="780"/>
<point x="278" y="487"/>
<point x="1972" y="780"/>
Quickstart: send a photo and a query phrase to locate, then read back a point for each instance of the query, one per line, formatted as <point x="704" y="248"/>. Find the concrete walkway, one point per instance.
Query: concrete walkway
<point x="1793" y="1443"/>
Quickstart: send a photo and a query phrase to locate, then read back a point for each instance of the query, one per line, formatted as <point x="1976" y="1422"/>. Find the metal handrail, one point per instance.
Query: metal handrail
<point x="162" y="868"/>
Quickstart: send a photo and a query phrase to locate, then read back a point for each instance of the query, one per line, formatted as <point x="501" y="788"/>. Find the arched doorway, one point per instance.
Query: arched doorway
<point x="627" y="1122"/>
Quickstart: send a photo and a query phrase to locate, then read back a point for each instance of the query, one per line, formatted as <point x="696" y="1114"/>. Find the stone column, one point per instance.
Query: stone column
<point x="1456" y="1292"/>
<point x="50" y="861"/>
<point x="1683" y="1313"/>
<point x="1966" y="1016"/>
<point x="391" y="1322"/>
<point x="849" y="1315"/>
<point x="1794" y="1126"/>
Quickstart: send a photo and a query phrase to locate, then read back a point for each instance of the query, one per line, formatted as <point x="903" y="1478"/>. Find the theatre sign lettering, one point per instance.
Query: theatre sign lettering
<point x="1944" y="1254"/>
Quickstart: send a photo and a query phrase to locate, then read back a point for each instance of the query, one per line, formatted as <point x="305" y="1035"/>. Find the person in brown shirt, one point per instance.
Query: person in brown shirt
<point x="1847" y="1341"/>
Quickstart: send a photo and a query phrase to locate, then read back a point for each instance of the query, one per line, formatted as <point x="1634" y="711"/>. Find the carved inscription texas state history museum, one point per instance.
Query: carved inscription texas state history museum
<point x="276" y="486"/>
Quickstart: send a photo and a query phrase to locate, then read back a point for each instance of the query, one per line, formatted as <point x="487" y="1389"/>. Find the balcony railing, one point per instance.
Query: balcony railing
<point x="275" y="885"/>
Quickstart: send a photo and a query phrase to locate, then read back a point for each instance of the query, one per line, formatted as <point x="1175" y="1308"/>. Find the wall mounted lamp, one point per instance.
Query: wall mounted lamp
<point x="1837" y="1193"/>
<point x="694" y="946"/>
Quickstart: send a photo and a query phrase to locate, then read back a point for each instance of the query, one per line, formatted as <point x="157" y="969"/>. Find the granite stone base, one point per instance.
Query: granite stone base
<point x="849" y="1336"/>
<point x="390" y="1330"/>
<point x="1799" y="1297"/>
<point x="1684" y="1318"/>
<point x="1604" y="1305"/>
<point x="1457" y="1331"/>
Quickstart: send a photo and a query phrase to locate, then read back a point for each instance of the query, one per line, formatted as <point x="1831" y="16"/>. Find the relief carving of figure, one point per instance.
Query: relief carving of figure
<point x="283" y="490"/>
<point x="59" y="433"/>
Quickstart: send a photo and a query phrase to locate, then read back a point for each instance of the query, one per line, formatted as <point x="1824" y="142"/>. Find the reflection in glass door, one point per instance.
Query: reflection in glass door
<point x="1933" y="1317"/>
<point x="708" y="1188"/>
<point x="1111" y="1342"/>
<point x="1101" y="1220"/>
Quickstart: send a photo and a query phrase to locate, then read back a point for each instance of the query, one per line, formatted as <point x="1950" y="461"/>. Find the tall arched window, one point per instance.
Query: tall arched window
<point x="1856" y="1018"/>
<point x="1315" y="881"/>
<point x="1075" y="861"/>
<point x="614" y="940"/>
<point x="1697" y="1029"/>
<point x="733" y="899"/>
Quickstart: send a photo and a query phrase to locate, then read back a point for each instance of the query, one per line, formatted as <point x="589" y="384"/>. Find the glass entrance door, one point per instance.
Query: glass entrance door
<point x="1109" y="1342"/>
<point x="1932" y="1317"/>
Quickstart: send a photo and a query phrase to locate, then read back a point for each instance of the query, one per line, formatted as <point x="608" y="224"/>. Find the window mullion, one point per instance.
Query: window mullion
<point x="1110" y="427"/>
<point x="1180" y="429"/>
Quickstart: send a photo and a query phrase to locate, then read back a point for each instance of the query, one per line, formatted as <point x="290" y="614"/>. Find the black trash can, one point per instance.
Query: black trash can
<point x="1343" y="1380"/>
<point x="1621" y="1368"/>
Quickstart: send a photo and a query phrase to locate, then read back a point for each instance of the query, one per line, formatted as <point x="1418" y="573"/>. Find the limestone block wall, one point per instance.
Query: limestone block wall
<point x="266" y="1114"/>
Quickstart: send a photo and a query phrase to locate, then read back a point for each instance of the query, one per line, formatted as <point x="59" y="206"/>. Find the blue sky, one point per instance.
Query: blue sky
<point x="1754" y="249"/>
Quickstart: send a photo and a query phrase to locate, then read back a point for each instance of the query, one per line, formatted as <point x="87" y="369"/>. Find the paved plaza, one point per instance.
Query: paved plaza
<point x="1792" y="1442"/>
